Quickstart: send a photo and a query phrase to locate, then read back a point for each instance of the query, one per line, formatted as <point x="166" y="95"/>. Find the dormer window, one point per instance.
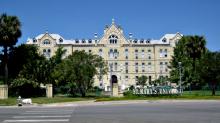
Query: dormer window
<point x="113" y="39"/>
<point x="135" y="41"/>
<point x="77" y="41"/>
<point x="83" y="41"/>
<point x="142" y="41"/>
<point x="148" y="41"/>
<point x="34" y="40"/>
<point x="164" y="40"/>
<point x="90" y="41"/>
<point x="46" y="41"/>
<point x="61" y="40"/>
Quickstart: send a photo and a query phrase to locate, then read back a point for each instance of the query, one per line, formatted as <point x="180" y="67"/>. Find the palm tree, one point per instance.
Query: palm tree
<point x="195" y="48"/>
<point x="9" y="34"/>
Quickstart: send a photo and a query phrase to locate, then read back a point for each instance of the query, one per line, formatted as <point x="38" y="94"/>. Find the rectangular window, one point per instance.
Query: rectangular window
<point x="136" y="54"/>
<point x="126" y="71"/>
<point x="126" y="63"/>
<point x="142" y="54"/>
<point x="126" y="67"/>
<point x="161" y="53"/>
<point x="116" y="66"/>
<point x="166" y="67"/>
<point x="149" y="66"/>
<point x="149" y="54"/>
<point x="143" y="67"/>
<point x="111" y="54"/>
<point x="136" y="67"/>
<point x="116" y="53"/>
<point x="126" y="53"/>
<point x="165" y="53"/>
<point x="161" y="67"/>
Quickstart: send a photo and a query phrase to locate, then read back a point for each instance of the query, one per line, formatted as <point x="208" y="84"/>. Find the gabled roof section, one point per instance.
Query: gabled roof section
<point x="113" y="29"/>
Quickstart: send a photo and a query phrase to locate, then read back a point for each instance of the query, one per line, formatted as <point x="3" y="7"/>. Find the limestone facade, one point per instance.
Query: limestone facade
<point x="126" y="57"/>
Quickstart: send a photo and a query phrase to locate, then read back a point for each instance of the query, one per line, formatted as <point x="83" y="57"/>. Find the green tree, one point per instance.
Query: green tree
<point x="35" y="70"/>
<point x="40" y="69"/>
<point x="188" y="51"/>
<point x="80" y="68"/>
<point x="180" y="55"/>
<point x="210" y="69"/>
<point x="20" y="56"/>
<point x="142" y="80"/>
<point x="9" y="34"/>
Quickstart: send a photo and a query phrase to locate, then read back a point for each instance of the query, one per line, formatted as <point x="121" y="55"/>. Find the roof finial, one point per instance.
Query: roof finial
<point x="46" y="31"/>
<point x="113" y="21"/>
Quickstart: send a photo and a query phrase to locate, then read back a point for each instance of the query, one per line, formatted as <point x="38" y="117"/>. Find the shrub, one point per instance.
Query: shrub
<point x="25" y="88"/>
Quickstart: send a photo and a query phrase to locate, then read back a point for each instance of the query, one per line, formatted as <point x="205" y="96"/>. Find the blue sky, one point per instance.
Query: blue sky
<point x="144" y="18"/>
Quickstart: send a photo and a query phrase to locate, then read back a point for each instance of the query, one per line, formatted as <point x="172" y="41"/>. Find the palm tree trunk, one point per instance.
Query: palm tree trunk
<point x="6" y="64"/>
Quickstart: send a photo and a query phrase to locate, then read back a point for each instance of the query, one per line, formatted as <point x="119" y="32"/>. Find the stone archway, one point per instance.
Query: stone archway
<point x="114" y="79"/>
<point x="114" y="83"/>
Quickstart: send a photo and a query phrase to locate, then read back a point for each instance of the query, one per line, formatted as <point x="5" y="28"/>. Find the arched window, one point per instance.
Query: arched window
<point x="46" y="41"/>
<point x="113" y="39"/>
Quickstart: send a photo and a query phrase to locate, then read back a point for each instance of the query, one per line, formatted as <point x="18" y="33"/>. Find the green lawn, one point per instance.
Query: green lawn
<point x="200" y="93"/>
<point x="160" y="98"/>
<point x="43" y="100"/>
<point x="8" y="102"/>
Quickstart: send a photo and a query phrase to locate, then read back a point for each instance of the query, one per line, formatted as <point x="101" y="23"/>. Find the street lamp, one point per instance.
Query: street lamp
<point x="180" y="82"/>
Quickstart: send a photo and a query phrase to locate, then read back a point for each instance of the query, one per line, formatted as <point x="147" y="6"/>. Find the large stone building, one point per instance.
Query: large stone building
<point x="126" y="57"/>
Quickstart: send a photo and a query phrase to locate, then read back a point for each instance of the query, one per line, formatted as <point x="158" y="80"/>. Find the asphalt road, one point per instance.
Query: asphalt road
<point x="144" y="112"/>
